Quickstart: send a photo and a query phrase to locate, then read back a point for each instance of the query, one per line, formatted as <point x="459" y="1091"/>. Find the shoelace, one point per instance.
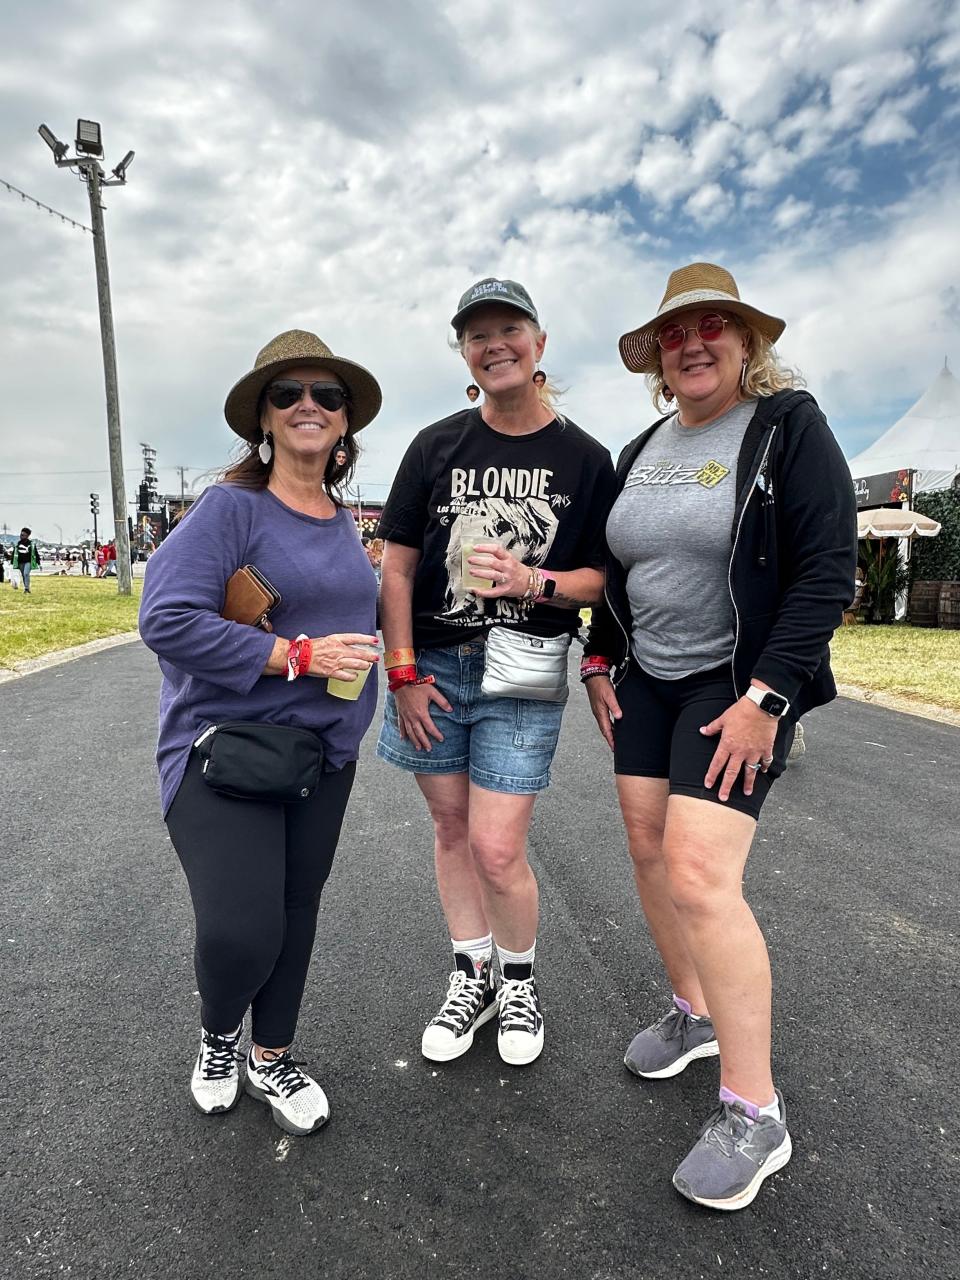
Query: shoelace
<point x="462" y="998"/>
<point x="284" y="1073"/>
<point x="518" y="1005"/>
<point x="726" y="1129"/>
<point x="671" y="1025"/>
<point x="220" y="1056"/>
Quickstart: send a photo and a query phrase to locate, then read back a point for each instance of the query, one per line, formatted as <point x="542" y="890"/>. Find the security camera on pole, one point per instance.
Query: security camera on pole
<point x="86" y="162"/>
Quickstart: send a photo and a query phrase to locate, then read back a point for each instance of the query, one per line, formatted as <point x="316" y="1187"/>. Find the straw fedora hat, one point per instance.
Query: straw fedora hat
<point x="698" y="285"/>
<point x="287" y="351"/>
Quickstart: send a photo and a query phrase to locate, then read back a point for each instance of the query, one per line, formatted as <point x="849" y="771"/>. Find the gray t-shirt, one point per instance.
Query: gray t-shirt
<point x="670" y="529"/>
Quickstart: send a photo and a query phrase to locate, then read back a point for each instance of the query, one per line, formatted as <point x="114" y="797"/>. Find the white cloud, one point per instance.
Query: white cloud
<point x="791" y="212"/>
<point x="352" y="169"/>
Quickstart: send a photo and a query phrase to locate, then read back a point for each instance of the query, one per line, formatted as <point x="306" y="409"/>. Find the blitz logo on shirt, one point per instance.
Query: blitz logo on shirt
<point x="708" y="476"/>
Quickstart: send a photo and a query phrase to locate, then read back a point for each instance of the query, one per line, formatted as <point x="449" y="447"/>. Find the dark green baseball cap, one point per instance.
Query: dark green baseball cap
<point x="507" y="292"/>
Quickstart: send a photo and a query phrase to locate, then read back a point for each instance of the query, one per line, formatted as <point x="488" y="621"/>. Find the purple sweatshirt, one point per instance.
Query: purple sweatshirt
<point x="213" y="669"/>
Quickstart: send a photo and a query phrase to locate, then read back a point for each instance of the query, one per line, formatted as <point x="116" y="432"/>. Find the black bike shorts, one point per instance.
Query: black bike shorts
<point x="659" y="734"/>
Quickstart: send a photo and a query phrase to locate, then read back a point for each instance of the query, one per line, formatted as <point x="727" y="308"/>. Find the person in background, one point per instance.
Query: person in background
<point x="256" y="867"/>
<point x="732" y="547"/>
<point x="473" y="393"/>
<point x="100" y="554"/>
<point x="529" y="490"/>
<point x="26" y="558"/>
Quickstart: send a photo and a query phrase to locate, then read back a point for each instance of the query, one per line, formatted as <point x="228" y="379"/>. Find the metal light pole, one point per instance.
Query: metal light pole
<point x="86" y="162"/>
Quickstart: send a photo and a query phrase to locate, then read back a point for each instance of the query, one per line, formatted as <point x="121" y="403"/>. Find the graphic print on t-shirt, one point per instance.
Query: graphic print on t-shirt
<point x="511" y="506"/>
<point x="708" y="474"/>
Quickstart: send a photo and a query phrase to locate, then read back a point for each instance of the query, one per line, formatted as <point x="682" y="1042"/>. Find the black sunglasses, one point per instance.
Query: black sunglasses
<point x="286" y="392"/>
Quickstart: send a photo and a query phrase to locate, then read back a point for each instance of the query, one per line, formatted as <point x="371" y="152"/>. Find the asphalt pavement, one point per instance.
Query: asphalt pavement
<point x="560" y="1169"/>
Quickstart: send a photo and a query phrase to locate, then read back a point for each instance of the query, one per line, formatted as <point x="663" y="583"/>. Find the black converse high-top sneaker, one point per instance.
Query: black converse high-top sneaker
<point x="471" y="1001"/>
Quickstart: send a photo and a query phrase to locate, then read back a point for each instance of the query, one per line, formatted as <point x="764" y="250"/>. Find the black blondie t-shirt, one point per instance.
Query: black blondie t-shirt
<point x="544" y="496"/>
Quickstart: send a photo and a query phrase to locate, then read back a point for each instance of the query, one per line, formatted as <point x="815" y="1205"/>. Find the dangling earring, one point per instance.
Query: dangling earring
<point x="743" y="373"/>
<point x="264" y="449"/>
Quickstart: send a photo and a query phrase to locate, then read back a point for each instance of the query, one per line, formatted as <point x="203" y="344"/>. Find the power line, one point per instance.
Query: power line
<point x="81" y="226"/>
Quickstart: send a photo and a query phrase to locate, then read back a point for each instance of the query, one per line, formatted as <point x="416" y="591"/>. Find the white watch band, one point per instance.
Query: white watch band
<point x="757" y="695"/>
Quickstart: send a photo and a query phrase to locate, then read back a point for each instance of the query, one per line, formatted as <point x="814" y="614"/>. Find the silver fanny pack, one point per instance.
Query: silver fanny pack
<point x="518" y="665"/>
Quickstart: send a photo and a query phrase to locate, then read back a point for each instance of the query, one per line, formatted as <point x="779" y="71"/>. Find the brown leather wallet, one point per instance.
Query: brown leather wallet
<point x="249" y="598"/>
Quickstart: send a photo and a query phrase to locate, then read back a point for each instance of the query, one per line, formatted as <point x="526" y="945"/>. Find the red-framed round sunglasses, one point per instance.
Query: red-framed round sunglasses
<point x="708" y="329"/>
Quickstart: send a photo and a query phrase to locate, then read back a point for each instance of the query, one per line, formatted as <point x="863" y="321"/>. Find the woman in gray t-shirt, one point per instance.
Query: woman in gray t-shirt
<point x="732" y="546"/>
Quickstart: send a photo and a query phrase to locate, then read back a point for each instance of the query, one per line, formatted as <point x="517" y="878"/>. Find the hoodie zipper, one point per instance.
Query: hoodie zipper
<point x="733" y="552"/>
<point x="613" y="613"/>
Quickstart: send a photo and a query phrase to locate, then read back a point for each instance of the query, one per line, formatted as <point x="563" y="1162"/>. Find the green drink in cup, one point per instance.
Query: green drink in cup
<point x="350" y="690"/>
<point x="472" y="532"/>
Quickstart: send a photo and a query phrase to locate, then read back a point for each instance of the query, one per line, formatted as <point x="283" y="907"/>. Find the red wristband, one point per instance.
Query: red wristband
<point x="397" y="677"/>
<point x="306" y="653"/>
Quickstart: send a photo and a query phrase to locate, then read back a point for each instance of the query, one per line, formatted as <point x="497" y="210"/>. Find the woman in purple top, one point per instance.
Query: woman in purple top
<point x="256" y="868"/>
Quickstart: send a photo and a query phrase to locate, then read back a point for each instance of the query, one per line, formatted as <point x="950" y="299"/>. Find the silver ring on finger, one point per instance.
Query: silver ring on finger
<point x="754" y="766"/>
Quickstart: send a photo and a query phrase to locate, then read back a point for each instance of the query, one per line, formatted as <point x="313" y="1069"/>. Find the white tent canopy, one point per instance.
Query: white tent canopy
<point x="926" y="439"/>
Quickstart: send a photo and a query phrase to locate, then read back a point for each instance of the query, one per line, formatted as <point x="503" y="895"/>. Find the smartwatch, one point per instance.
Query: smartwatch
<point x="774" y="704"/>
<point x="549" y="586"/>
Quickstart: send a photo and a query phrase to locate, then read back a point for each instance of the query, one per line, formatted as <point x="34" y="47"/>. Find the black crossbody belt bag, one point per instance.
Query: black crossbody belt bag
<point x="250" y="761"/>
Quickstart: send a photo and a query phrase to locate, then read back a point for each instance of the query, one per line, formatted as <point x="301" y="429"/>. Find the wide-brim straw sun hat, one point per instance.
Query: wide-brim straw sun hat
<point x="298" y="347"/>
<point x="699" y="285"/>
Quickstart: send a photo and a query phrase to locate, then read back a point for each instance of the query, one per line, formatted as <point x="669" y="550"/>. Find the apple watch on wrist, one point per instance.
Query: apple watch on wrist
<point x="774" y="704"/>
<point x="548" y="588"/>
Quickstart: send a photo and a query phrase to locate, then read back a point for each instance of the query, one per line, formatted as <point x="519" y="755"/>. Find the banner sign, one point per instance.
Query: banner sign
<point x="881" y="490"/>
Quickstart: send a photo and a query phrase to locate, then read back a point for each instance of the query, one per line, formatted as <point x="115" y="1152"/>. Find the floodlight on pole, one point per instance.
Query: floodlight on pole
<point x="58" y="148"/>
<point x="88" y="141"/>
<point x="89" y="148"/>
<point x="120" y="172"/>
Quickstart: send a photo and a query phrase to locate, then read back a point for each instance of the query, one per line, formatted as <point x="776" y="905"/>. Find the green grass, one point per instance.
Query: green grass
<point x="62" y="612"/>
<point x="921" y="663"/>
<point x="912" y="662"/>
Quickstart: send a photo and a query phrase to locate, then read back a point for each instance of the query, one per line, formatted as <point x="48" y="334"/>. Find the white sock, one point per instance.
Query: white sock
<point x="516" y="957"/>
<point x="772" y="1109"/>
<point x="480" y="950"/>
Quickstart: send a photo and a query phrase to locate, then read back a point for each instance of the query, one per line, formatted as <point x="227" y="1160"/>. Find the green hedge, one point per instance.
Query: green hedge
<point x="938" y="558"/>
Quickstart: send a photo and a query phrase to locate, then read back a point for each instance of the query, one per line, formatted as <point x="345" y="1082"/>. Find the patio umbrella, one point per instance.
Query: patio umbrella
<point x="895" y="522"/>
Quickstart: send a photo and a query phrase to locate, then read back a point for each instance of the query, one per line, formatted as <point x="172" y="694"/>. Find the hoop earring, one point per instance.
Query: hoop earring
<point x="743" y="373"/>
<point x="264" y="448"/>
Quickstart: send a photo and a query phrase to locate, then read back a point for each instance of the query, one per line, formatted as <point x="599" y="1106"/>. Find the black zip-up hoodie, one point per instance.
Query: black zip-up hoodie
<point x="793" y="554"/>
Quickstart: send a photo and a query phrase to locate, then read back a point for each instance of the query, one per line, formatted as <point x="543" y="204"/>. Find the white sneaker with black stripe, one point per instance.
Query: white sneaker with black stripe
<point x="298" y="1103"/>
<point x="215" y="1085"/>
<point x="471" y="1001"/>
<point x="520" y="1034"/>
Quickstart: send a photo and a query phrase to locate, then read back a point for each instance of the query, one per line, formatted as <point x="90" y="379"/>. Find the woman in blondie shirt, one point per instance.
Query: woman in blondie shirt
<point x="531" y="491"/>
<point x="732" y="548"/>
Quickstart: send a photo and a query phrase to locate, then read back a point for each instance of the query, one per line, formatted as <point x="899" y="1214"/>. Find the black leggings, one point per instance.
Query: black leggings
<point x="256" y="872"/>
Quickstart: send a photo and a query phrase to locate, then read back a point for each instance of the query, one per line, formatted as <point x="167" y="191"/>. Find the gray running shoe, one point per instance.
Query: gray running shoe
<point x="797" y="747"/>
<point x="732" y="1157"/>
<point x="671" y="1044"/>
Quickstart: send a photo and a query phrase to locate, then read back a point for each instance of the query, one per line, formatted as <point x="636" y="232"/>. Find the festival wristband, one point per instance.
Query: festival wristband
<point x="293" y="657"/>
<point x="594" y="666"/>
<point x="407" y="675"/>
<point x="398" y="658"/>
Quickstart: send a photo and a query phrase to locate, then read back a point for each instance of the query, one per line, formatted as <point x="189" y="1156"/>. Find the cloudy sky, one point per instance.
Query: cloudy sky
<point x="351" y="169"/>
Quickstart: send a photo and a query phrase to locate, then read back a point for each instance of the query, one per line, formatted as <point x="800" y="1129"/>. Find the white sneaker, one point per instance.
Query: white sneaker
<point x="520" y="1034"/>
<point x="215" y="1085"/>
<point x="298" y="1103"/>
<point x="470" y="1002"/>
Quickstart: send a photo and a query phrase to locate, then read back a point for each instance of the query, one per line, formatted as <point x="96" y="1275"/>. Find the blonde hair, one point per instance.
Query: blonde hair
<point x="551" y="392"/>
<point x="766" y="372"/>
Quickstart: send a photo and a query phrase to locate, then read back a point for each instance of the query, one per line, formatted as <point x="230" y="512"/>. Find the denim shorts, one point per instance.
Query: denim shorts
<point x="505" y="744"/>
